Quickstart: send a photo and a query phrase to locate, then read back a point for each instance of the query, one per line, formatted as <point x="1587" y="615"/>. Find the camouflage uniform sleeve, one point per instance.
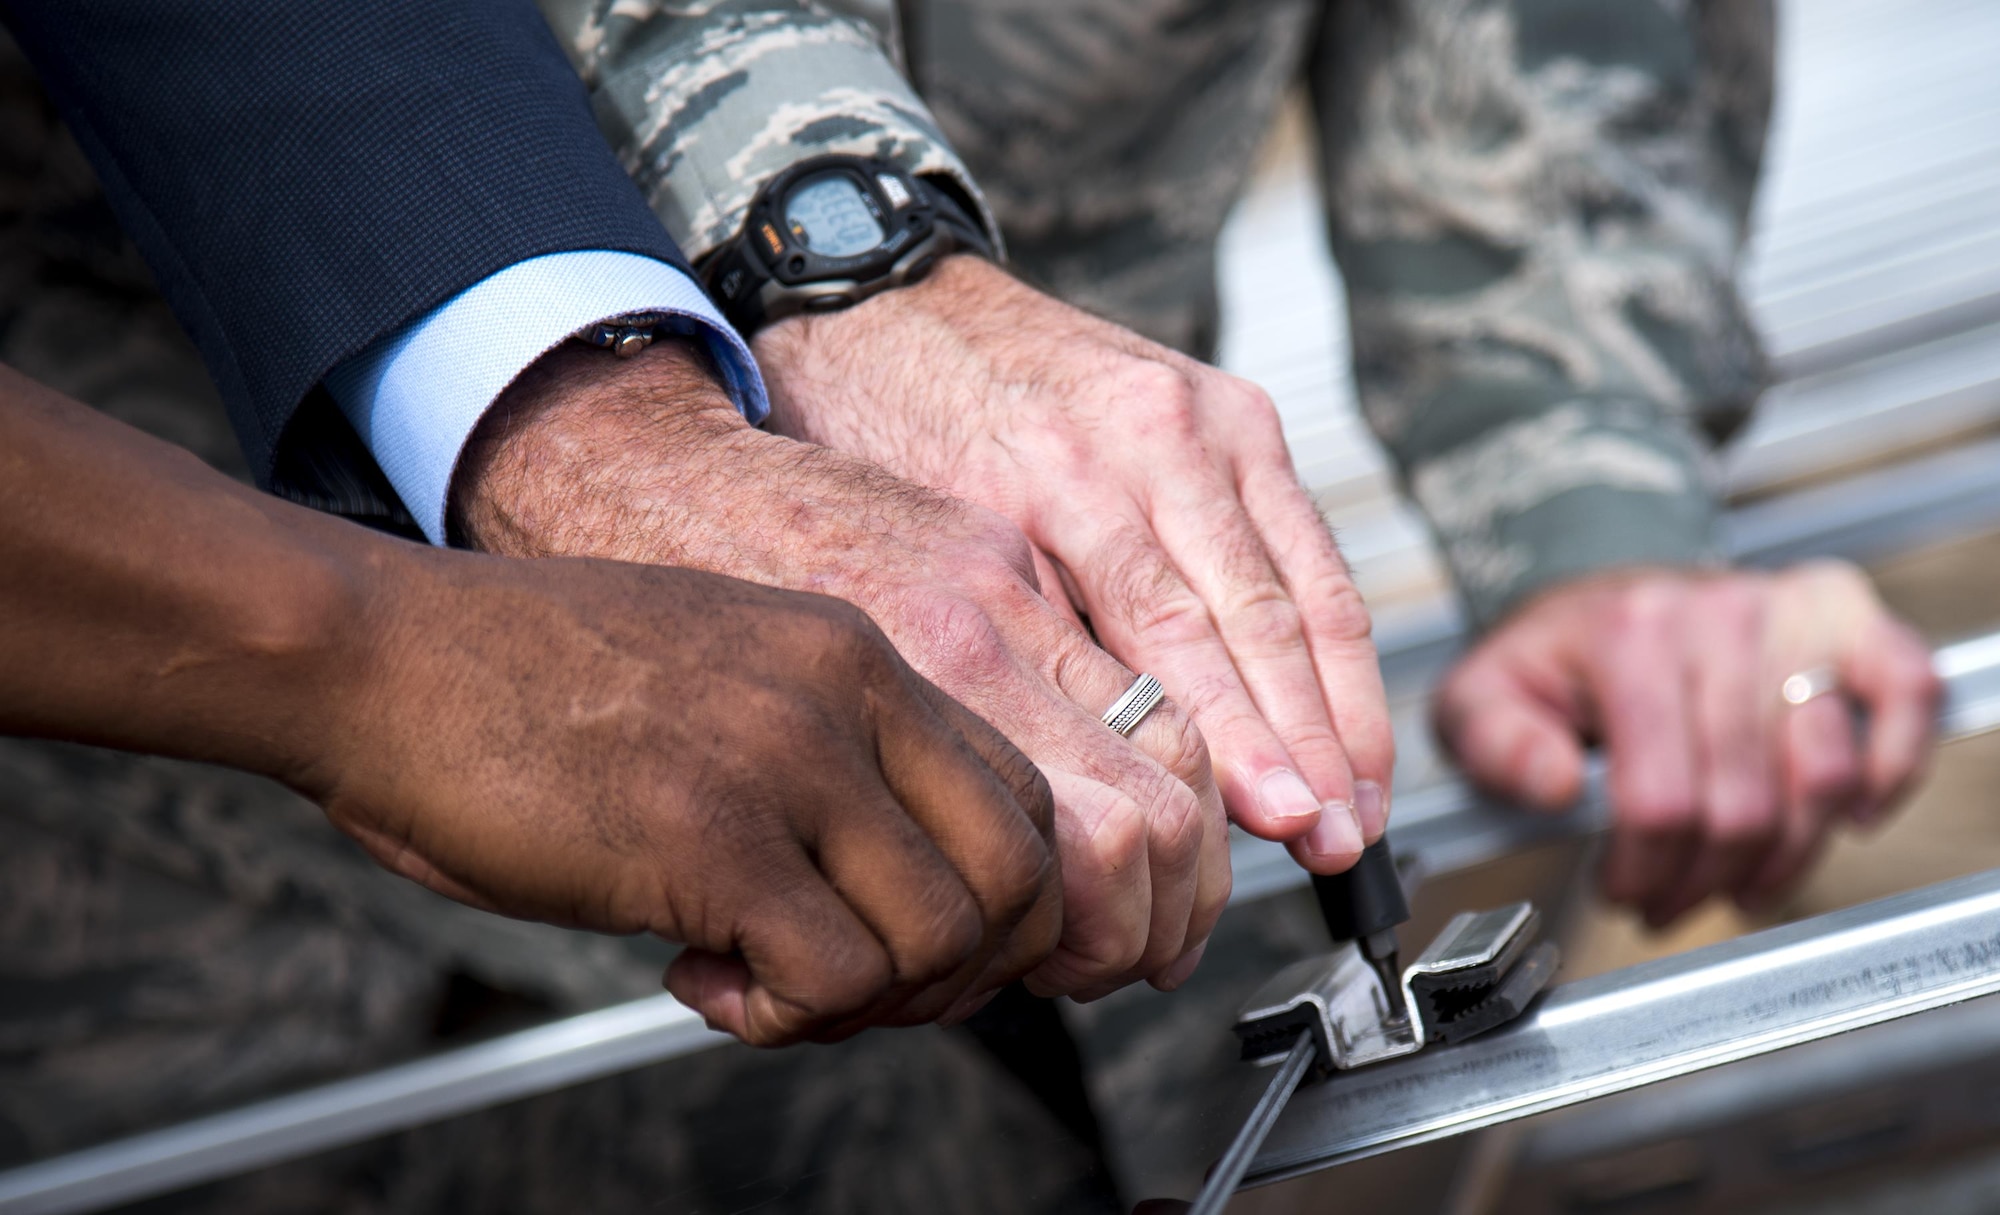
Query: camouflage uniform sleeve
<point x="705" y="100"/>
<point x="1538" y="207"/>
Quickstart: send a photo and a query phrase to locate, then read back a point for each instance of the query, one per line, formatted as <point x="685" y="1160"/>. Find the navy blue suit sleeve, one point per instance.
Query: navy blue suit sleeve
<point x="305" y="179"/>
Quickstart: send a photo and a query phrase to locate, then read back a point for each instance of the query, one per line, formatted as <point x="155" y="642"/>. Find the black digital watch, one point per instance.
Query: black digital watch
<point x="830" y="232"/>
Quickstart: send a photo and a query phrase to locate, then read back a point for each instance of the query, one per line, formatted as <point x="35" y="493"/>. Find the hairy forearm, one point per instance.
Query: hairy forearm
<point x="149" y="603"/>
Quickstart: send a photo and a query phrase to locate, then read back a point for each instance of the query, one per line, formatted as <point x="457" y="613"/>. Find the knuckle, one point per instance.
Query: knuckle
<point x="1370" y="744"/>
<point x="1266" y="622"/>
<point x="1119" y="839"/>
<point x="1747" y="819"/>
<point x="1141" y="588"/>
<point x="1831" y="774"/>
<point x="1186" y="751"/>
<point x="1642" y="611"/>
<point x="769" y="1031"/>
<point x="951" y="941"/>
<point x="1211" y="902"/>
<point x="861" y="976"/>
<point x="1024" y="876"/>
<point x="1831" y="576"/>
<point x="1174" y="827"/>
<point x="1658" y="814"/>
<point x="1336" y="609"/>
<point x="998" y="555"/>
<point x="1025" y="882"/>
<point x="1039" y="938"/>
<point x="1207" y="696"/>
<point x="961" y="643"/>
<point x="851" y="980"/>
<point x="1735" y="605"/>
<point x="1122" y="955"/>
<point x="1249" y="405"/>
<point x="1031" y="789"/>
<point x="1164" y="610"/>
<point x="1162" y="394"/>
<point x="847" y="635"/>
<point x="1919" y="679"/>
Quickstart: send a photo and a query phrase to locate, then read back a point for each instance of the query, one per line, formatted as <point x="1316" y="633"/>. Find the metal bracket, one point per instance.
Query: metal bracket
<point x="1480" y="972"/>
<point x="1339" y="1000"/>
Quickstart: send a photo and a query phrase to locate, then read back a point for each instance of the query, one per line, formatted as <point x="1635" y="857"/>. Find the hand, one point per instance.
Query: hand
<point x="646" y="460"/>
<point x="1161" y="503"/>
<point x="753" y="772"/>
<point x="1716" y="784"/>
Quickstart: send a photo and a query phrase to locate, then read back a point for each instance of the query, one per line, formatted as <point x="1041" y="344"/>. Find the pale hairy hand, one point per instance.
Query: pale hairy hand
<point x="1161" y="503"/>
<point x="648" y="461"/>
<point x="1716" y="784"/>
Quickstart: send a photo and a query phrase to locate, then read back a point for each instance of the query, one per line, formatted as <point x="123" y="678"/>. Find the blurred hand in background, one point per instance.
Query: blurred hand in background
<point x="1717" y="784"/>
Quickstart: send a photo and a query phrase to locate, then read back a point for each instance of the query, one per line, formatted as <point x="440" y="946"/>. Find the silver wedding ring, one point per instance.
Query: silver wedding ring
<point x="1809" y="684"/>
<point x="1141" y="698"/>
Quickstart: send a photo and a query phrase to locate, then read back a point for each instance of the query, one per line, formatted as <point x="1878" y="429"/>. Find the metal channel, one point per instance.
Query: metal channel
<point x="553" y="1056"/>
<point x="1798" y="983"/>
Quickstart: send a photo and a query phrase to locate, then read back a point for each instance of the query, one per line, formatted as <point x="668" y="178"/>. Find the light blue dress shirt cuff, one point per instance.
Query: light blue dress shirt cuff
<point x="415" y="396"/>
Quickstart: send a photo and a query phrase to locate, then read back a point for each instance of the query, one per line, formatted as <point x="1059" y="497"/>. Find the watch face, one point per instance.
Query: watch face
<point x="830" y="215"/>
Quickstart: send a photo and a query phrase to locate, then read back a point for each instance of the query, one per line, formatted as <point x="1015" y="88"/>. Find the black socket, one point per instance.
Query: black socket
<point x="1365" y="900"/>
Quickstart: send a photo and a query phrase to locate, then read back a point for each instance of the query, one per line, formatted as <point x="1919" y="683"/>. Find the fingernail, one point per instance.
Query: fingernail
<point x="1285" y="797"/>
<point x="1183" y="970"/>
<point x="1336" y="833"/>
<point x="1371" y="809"/>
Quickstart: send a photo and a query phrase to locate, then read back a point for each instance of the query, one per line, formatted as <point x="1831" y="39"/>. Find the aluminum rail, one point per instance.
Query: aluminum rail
<point x="538" y="1060"/>
<point x="1736" y="1000"/>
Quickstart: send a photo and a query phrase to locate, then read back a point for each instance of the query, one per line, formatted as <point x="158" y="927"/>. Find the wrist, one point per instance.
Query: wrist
<point x="572" y="427"/>
<point x="306" y="647"/>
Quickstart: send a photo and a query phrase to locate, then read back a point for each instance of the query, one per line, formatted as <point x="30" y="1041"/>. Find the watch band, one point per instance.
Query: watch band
<point x="795" y="255"/>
